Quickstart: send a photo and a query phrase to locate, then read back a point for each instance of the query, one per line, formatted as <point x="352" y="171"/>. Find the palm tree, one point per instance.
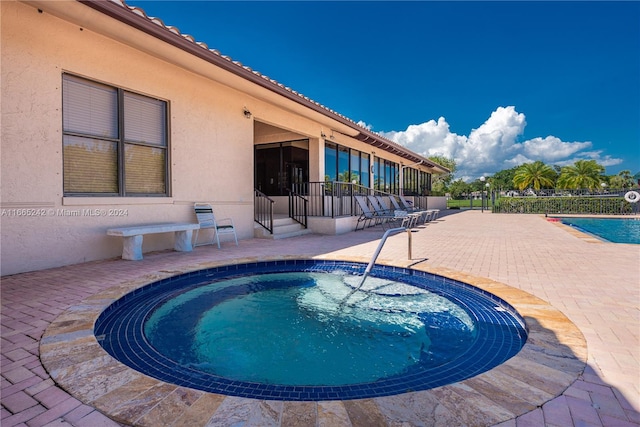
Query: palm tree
<point x="622" y="180"/>
<point x="536" y="175"/>
<point x="583" y="174"/>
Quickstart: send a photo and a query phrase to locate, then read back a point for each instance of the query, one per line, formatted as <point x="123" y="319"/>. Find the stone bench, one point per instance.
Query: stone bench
<point x="132" y="237"/>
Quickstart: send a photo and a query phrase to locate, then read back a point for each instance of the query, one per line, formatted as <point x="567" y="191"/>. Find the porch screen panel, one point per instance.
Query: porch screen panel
<point x="343" y="164"/>
<point x="366" y="168"/>
<point x="330" y="162"/>
<point x="355" y="166"/>
<point x="410" y="181"/>
<point x="388" y="178"/>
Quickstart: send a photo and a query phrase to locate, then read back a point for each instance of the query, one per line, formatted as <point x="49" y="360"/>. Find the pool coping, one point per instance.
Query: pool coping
<point x="585" y="235"/>
<point x="553" y="357"/>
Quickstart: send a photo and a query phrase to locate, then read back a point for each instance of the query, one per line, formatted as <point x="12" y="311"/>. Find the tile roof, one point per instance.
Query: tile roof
<point x="188" y="42"/>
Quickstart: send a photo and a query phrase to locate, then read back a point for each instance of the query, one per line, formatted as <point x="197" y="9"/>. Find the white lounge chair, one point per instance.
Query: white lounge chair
<point x="391" y="215"/>
<point x="413" y="217"/>
<point x="423" y="215"/>
<point x="370" y="218"/>
<point x="207" y="221"/>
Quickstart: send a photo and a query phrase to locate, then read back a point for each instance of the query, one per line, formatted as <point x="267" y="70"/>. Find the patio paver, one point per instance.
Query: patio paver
<point x="595" y="284"/>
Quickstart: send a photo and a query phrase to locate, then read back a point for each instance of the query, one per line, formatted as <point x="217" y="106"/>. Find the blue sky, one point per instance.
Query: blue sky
<point x="490" y="84"/>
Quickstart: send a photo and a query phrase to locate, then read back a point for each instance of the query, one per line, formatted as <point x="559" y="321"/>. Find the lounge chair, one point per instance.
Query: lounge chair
<point x="391" y="215"/>
<point x="423" y="214"/>
<point x="413" y="217"/>
<point x="407" y="204"/>
<point x="396" y="205"/>
<point x="429" y="214"/>
<point x="384" y="205"/>
<point x="207" y="221"/>
<point x="370" y="218"/>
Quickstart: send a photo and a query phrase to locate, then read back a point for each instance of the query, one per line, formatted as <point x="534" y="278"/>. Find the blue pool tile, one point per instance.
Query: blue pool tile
<point x="122" y="326"/>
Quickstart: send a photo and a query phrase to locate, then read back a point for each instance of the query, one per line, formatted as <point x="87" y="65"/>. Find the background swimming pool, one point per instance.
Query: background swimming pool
<point x="616" y="230"/>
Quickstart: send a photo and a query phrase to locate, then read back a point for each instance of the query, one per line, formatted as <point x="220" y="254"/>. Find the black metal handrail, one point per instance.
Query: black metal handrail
<point x="263" y="210"/>
<point x="298" y="208"/>
<point x="337" y="199"/>
<point x="331" y="199"/>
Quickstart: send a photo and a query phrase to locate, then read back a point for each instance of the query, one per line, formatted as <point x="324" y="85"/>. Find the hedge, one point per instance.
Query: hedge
<point x="565" y="205"/>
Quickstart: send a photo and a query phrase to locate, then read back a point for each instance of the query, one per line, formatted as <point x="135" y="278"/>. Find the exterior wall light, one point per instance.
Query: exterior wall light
<point x="246" y="112"/>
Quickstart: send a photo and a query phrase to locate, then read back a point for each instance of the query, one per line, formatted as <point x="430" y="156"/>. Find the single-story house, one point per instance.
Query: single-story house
<point x="110" y="118"/>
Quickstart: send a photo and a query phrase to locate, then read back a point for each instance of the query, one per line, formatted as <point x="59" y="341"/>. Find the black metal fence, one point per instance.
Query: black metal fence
<point x="337" y="199"/>
<point x="605" y="202"/>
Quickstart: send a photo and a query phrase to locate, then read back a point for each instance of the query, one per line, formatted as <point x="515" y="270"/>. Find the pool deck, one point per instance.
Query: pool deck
<point x="580" y="297"/>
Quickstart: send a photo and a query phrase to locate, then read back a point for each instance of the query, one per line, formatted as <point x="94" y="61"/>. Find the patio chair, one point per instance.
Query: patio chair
<point x="406" y="204"/>
<point x="207" y="221"/>
<point x="395" y="203"/>
<point x="390" y="215"/>
<point x="385" y="206"/>
<point x="414" y="216"/>
<point x="368" y="217"/>
<point x="425" y="214"/>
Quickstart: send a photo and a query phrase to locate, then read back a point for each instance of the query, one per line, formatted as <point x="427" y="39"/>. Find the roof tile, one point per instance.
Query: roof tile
<point x="365" y="133"/>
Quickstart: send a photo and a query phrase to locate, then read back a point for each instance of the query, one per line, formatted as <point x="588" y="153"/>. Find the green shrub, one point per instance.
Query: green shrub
<point x="564" y="205"/>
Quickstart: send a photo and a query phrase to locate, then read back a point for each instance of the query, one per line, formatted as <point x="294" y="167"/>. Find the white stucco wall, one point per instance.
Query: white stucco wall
<point x="437" y="202"/>
<point x="211" y="145"/>
<point x="210" y="141"/>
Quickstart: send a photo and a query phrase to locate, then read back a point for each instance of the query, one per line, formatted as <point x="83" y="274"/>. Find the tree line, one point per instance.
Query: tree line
<point x="583" y="174"/>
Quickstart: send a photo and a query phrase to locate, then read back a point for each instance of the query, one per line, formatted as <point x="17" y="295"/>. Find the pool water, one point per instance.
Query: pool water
<point x="291" y="328"/>
<point x="283" y="330"/>
<point x="616" y="230"/>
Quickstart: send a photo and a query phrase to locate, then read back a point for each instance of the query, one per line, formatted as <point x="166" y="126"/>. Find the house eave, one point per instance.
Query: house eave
<point x="158" y="30"/>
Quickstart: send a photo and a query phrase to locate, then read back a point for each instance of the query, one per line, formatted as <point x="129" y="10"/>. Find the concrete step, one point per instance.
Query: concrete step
<point x="283" y="227"/>
<point x="300" y="232"/>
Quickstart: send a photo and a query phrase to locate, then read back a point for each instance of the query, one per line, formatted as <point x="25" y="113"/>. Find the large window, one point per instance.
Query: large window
<point x="330" y="162"/>
<point x="385" y="175"/>
<point x="345" y="165"/>
<point x="114" y="141"/>
<point x="415" y="182"/>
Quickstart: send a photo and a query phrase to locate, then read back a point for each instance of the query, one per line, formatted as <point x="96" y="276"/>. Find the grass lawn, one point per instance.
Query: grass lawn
<point x="465" y="204"/>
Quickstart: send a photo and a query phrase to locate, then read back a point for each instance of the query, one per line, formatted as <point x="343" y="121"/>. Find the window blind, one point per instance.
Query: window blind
<point x="97" y="154"/>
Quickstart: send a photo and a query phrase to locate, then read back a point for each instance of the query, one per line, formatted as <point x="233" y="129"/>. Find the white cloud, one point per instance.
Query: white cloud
<point x="493" y="146"/>
<point x="552" y="149"/>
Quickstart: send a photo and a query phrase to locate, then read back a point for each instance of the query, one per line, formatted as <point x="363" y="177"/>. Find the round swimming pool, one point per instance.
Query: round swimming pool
<point x="285" y="330"/>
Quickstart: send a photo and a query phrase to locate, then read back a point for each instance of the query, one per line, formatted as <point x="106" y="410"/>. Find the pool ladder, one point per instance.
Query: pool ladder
<point x="373" y="260"/>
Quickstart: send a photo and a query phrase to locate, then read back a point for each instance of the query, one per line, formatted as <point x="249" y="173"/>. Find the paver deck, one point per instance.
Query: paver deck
<point x="596" y="285"/>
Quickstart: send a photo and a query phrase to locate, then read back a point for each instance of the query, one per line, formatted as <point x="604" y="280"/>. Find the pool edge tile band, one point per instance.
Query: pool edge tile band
<point x="132" y="348"/>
